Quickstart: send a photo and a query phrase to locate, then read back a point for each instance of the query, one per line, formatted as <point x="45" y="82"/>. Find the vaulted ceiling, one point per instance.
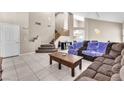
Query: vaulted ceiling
<point x="107" y="16"/>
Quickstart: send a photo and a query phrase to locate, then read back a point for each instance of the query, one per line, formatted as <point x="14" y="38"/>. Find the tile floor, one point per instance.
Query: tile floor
<point x="35" y="67"/>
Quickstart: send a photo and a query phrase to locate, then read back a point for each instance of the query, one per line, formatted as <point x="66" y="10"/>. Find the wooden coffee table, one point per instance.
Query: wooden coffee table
<point x="69" y="60"/>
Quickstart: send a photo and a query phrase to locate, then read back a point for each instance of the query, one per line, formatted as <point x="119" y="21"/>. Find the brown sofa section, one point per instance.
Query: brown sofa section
<point x="107" y="67"/>
<point x="0" y="68"/>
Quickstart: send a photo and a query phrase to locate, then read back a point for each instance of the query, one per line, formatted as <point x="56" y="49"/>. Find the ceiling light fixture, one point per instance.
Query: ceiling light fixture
<point x="97" y="31"/>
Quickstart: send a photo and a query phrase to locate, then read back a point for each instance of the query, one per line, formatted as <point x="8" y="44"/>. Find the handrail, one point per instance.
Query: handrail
<point x="34" y="38"/>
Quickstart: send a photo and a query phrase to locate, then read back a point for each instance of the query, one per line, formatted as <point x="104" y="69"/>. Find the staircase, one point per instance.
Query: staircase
<point x="46" y="48"/>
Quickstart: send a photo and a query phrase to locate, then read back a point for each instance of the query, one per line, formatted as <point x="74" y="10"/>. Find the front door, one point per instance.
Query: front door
<point x="10" y="34"/>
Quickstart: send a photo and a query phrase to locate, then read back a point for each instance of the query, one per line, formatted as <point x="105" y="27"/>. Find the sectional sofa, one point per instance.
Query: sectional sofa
<point x="107" y="67"/>
<point x="90" y="49"/>
<point x="0" y="68"/>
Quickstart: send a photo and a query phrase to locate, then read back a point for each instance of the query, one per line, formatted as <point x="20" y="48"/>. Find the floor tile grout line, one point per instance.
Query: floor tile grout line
<point x="31" y="69"/>
<point x="27" y="60"/>
<point x="16" y="71"/>
<point x="40" y="64"/>
<point x="58" y="78"/>
<point x="36" y="60"/>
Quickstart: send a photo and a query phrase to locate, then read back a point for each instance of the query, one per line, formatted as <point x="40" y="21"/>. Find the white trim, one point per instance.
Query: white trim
<point x="27" y="53"/>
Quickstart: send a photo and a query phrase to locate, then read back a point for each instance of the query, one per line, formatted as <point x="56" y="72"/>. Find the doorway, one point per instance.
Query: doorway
<point x="9" y="40"/>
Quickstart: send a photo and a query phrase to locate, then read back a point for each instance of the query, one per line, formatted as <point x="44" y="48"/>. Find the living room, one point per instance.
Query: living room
<point x="41" y="34"/>
<point x="61" y="46"/>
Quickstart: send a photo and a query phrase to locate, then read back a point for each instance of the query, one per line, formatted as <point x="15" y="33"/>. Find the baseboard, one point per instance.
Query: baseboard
<point x="27" y="53"/>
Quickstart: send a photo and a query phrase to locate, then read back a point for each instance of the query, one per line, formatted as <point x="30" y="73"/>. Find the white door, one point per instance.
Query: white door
<point x="10" y="34"/>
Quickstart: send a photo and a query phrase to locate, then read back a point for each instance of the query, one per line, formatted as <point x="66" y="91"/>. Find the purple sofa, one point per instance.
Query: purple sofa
<point x="90" y="49"/>
<point x="73" y="49"/>
<point x="95" y="49"/>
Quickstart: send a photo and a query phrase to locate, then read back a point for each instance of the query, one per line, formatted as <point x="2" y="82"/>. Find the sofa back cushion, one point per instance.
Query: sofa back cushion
<point x="102" y="47"/>
<point x="122" y="52"/>
<point x="74" y="45"/>
<point x="79" y="45"/>
<point x="0" y="60"/>
<point x="116" y="68"/>
<point x="122" y="73"/>
<point x="118" y="47"/>
<point x="122" y="61"/>
<point x="92" y="45"/>
<point x="109" y="47"/>
<point x="118" y="59"/>
<point x="116" y="50"/>
<point x="114" y="54"/>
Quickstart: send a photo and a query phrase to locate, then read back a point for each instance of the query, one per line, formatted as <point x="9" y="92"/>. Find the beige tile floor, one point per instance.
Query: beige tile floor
<point x="35" y="67"/>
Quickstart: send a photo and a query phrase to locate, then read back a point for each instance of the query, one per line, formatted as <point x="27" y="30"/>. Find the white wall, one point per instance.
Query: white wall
<point x="122" y="35"/>
<point x="59" y="22"/>
<point x="108" y="30"/>
<point x="21" y="19"/>
<point x="28" y="28"/>
<point x="45" y="31"/>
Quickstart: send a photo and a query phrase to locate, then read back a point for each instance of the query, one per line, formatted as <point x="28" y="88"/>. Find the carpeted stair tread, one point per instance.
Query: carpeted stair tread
<point x="46" y="50"/>
<point x="47" y="45"/>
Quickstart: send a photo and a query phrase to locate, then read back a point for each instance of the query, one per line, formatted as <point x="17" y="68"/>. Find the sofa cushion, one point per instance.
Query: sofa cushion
<point x="86" y="79"/>
<point x="100" y="59"/>
<point x="109" y="47"/>
<point x="118" y="59"/>
<point x="122" y="73"/>
<point x="122" y="52"/>
<point x="106" y="70"/>
<point x="102" y="47"/>
<point x="109" y="61"/>
<point x="0" y="76"/>
<point x="115" y="77"/>
<point x="114" y="54"/>
<point x="92" y="45"/>
<point x="95" y="65"/>
<point x="0" y="60"/>
<point x="89" y="73"/>
<point x="118" y="47"/>
<point x="79" y="45"/>
<point x="116" y="68"/>
<point x="108" y="56"/>
<point x="122" y="61"/>
<point x="73" y="49"/>
<point x="101" y="77"/>
<point x="92" y="53"/>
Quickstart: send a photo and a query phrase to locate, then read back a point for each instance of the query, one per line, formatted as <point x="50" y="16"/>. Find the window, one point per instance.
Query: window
<point x="79" y="34"/>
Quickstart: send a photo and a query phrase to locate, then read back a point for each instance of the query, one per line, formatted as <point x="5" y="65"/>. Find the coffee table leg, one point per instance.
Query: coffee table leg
<point x="50" y="61"/>
<point x="73" y="72"/>
<point x="60" y="66"/>
<point x="80" y="65"/>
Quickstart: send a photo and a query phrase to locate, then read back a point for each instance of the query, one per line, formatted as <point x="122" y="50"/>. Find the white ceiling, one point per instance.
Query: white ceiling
<point x="108" y="16"/>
